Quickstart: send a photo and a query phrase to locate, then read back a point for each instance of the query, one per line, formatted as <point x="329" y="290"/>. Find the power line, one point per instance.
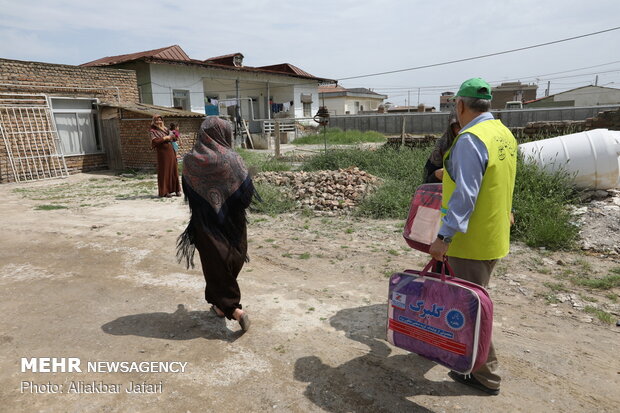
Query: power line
<point x="539" y="77"/>
<point x="481" y="56"/>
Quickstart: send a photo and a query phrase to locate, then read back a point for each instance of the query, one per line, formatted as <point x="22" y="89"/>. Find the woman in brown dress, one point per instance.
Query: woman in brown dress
<point x="167" y="172"/>
<point x="218" y="189"/>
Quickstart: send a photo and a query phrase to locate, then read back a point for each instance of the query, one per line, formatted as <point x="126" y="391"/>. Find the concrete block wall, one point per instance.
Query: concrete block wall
<point x="436" y="122"/>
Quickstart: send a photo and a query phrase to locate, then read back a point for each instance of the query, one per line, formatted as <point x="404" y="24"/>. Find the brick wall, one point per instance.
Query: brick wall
<point x="66" y="80"/>
<point x="136" y="143"/>
<point x="105" y="84"/>
<point x="85" y="163"/>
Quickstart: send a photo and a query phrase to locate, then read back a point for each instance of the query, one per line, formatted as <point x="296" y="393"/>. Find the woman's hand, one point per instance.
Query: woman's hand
<point x="439" y="174"/>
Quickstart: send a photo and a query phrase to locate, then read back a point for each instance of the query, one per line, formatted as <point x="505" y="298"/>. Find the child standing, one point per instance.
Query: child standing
<point x="174" y="134"/>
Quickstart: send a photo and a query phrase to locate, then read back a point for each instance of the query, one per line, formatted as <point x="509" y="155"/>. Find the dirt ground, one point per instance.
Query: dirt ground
<point x="98" y="281"/>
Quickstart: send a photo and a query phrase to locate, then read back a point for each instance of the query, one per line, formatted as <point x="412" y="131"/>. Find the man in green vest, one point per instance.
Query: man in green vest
<point x="477" y="201"/>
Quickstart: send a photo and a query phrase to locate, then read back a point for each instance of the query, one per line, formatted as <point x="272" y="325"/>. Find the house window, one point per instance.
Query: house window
<point x="180" y="99"/>
<point x="77" y="126"/>
<point x="307" y="110"/>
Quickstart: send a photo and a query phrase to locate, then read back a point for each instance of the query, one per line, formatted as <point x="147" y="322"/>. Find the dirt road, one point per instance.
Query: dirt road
<point x="98" y="281"/>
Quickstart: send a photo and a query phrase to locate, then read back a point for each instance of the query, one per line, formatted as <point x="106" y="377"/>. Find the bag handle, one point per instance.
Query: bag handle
<point x="445" y="265"/>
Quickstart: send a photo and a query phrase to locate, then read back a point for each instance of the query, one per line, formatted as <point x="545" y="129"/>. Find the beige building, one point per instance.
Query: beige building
<point x="581" y="96"/>
<point x="343" y="101"/>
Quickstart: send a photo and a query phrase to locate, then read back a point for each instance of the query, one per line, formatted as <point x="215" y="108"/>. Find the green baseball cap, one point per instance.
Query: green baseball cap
<point x="475" y="88"/>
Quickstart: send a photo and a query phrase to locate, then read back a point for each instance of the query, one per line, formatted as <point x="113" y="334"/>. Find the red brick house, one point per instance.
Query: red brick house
<point x="60" y="119"/>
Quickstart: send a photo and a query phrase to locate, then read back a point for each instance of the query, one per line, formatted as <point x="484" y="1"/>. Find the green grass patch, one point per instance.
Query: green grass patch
<point x="538" y="194"/>
<point x="49" y="207"/>
<point x="304" y="256"/>
<point x="336" y="136"/>
<point x="260" y="162"/>
<point x="556" y="287"/>
<point x="273" y="200"/>
<point x="604" y="316"/>
<point x="604" y="283"/>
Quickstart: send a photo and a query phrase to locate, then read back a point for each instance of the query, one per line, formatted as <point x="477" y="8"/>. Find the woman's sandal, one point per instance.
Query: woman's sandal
<point x="214" y="310"/>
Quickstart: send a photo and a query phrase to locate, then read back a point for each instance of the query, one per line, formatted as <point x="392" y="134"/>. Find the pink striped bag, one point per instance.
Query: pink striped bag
<point x="424" y="217"/>
<point x="444" y="319"/>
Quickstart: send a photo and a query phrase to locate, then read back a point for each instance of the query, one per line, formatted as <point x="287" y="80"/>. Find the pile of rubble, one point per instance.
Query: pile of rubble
<point x="599" y="220"/>
<point x="333" y="191"/>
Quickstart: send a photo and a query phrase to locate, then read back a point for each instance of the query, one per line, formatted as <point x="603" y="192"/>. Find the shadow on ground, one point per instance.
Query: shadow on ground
<point x="376" y="381"/>
<point x="180" y="325"/>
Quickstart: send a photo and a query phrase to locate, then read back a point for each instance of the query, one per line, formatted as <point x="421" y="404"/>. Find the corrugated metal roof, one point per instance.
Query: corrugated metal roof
<point x="167" y="53"/>
<point x="174" y="54"/>
<point x="331" y="89"/>
<point x="152" y="110"/>
<point x="341" y="91"/>
<point x="223" y="57"/>
<point x="287" y="68"/>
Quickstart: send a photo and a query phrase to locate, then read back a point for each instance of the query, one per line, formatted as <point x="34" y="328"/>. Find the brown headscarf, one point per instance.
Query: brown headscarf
<point x="444" y="143"/>
<point x="217" y="187"/>
<point x="156" y="131"/>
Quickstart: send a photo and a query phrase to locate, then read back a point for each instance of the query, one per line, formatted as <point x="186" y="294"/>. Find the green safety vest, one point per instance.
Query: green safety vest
<point x="488" y="232"/>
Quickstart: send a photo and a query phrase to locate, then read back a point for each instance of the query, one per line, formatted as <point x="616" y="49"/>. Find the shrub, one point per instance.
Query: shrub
<point x="540" y="204"/>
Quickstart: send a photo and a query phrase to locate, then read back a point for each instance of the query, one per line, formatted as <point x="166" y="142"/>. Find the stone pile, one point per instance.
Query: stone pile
<point x="334" y="191"/>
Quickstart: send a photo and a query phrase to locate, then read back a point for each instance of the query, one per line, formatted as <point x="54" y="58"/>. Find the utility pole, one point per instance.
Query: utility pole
<point x="408" y="101"/>
<point x="548" y="88"/>
<point x="596" y="81"/>
<point x="238" y="132"/>
<point x="418" y="96"/>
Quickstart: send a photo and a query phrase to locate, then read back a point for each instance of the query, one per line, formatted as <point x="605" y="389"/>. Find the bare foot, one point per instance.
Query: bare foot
<point x="242" y="318"/>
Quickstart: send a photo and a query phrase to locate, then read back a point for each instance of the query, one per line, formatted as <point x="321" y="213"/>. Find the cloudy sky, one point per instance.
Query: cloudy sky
<point x="338" y="38"/>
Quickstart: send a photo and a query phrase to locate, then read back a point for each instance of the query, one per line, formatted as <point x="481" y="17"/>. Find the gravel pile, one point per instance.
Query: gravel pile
<point x="334" y="191"/>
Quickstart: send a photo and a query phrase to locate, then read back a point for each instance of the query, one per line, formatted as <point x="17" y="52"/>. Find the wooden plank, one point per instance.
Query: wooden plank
<point x="247" y="131"/>
<point x="110" y="136"/>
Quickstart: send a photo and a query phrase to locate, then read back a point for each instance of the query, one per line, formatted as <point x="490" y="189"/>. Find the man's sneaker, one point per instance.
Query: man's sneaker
<point x="472" y="382"/>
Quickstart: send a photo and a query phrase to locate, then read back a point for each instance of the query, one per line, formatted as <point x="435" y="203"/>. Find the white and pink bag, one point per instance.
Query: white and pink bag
<point x="444" y="319"/>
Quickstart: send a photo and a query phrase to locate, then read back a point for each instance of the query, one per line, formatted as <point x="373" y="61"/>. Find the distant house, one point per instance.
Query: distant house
<point x="343" y="101"/>
<point x="218" y="85"/>
<point x="581" y="96"/>
<point x="446" y="102"/>
<point x="511" y="92"/>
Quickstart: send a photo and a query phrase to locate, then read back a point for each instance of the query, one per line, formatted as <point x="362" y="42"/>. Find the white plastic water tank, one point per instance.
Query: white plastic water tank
<point x="593" y="156"/>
